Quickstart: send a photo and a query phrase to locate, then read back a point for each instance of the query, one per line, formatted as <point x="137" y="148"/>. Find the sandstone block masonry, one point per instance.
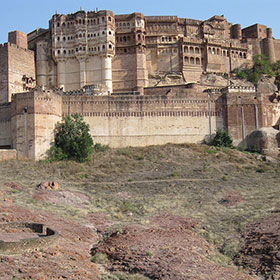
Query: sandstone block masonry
<point x="169" y="114"/>
<point x="17" y="66"/>
<point x="123" y="52"/>
<point x="136" y="79"/>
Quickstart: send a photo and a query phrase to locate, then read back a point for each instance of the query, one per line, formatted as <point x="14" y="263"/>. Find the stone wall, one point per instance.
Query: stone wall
<point x="3" y="73"/>
<point x="5" y="125"/>
<point x="136" y="120"/>
<point x="34" y="116"/>
<point x="21" y="70"/>
<point x="47" y="238"/>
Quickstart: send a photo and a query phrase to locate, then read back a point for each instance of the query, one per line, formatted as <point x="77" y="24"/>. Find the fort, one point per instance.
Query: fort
<point x="137" y="80"/>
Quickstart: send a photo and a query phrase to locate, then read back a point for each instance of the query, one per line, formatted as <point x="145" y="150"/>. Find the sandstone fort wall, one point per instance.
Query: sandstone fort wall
<point x="5" y="125"/>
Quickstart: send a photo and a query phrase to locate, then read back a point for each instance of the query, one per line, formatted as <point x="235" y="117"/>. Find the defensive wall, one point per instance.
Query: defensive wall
<point x="175" y="114"/>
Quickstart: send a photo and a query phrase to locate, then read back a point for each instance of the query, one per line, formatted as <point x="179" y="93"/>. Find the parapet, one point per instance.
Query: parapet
<point x="231" y="89"/>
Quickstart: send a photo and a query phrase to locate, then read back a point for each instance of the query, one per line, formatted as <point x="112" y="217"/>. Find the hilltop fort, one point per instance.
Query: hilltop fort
<point x="137" y="80"/>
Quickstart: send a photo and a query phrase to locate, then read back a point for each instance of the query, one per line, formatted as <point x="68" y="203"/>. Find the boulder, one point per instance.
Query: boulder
<point x="265" y="140"/>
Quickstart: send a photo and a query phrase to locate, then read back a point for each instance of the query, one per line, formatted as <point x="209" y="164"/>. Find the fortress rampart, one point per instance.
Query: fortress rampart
<point x="171" y="114"/>
<point x="137" y="80"/>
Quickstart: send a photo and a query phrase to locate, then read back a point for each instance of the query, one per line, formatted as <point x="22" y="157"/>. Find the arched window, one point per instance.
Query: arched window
<point x="109" y="18"/>
<point x="197" y="61"/>
<point x="187" y="59"/>
<point x="58" y="52"/>
<point x="58" y="38"/>
<point x="192" y="60"/>
<point x="244" y="56"/>
<point x="139" y="37"/>
<point x="64" y="51"/>
<point x="58" y="24"/>
<point x="80" y="21"/>
<point x="191" y="50"/>
<point x="186" y="49"/>
<point x="218" y="51"/>
<point x="64" y="39"/>
<point x="196" y="50"/>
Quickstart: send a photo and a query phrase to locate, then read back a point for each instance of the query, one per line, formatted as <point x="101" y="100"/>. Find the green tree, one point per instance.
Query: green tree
<point x="261" y="66"/>
<point x="222" y="139"/>
<point x="72" y="140"/>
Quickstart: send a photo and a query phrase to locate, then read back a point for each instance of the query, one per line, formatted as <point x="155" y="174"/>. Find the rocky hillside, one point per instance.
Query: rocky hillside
<point x="165" y="212"/>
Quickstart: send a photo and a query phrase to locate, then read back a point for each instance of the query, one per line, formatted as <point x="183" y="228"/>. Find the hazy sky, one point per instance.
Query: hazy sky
<point x="30" y="14"/>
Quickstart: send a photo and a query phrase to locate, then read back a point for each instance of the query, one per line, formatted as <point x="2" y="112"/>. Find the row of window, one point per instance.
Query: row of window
<point x="127" y="38"/>
<point x="83" y="21"/>
<point x="124" y="24"/>
<point x="90" y="35"/>
<point x="215" y="51"/>
<point x="168" y="50"/>
<point x="192" y="50"/>
<point x="237" y="54"/>
<point x="168" y="39"/>
<point x="72" y="51"/>
<point x="193" y="60"/>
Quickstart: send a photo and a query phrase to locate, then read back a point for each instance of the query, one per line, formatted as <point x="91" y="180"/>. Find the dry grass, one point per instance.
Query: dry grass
<point x="132" y="184"/>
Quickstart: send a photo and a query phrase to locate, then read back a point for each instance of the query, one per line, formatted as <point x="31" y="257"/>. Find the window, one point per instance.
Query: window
<point x="109" y="18"/>
<point x="196" y="50"/>
<point x="197" y="61"/>
<point x="192" y="60"/>
<point x="191" y="50"/>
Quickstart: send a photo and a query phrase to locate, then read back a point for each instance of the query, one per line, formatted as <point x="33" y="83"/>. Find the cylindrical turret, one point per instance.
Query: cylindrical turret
<point x="107" y="72"/>
<point x="42" y="63"/>
<point x="269" y="50"/>
<point x="236" y="32"/>
<point x="61" y="74"/>
<point x="269" y="33"/>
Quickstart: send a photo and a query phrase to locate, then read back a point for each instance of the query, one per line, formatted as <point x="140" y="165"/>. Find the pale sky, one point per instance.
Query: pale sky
<point x="30" y="14"/>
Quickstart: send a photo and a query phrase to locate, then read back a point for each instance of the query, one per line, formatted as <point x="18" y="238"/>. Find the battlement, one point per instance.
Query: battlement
<point x="240" y="89"/>
<point x="12" y="45"/>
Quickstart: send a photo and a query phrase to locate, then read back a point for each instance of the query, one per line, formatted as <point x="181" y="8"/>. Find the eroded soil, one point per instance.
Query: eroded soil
<point x="167" y="212"/>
